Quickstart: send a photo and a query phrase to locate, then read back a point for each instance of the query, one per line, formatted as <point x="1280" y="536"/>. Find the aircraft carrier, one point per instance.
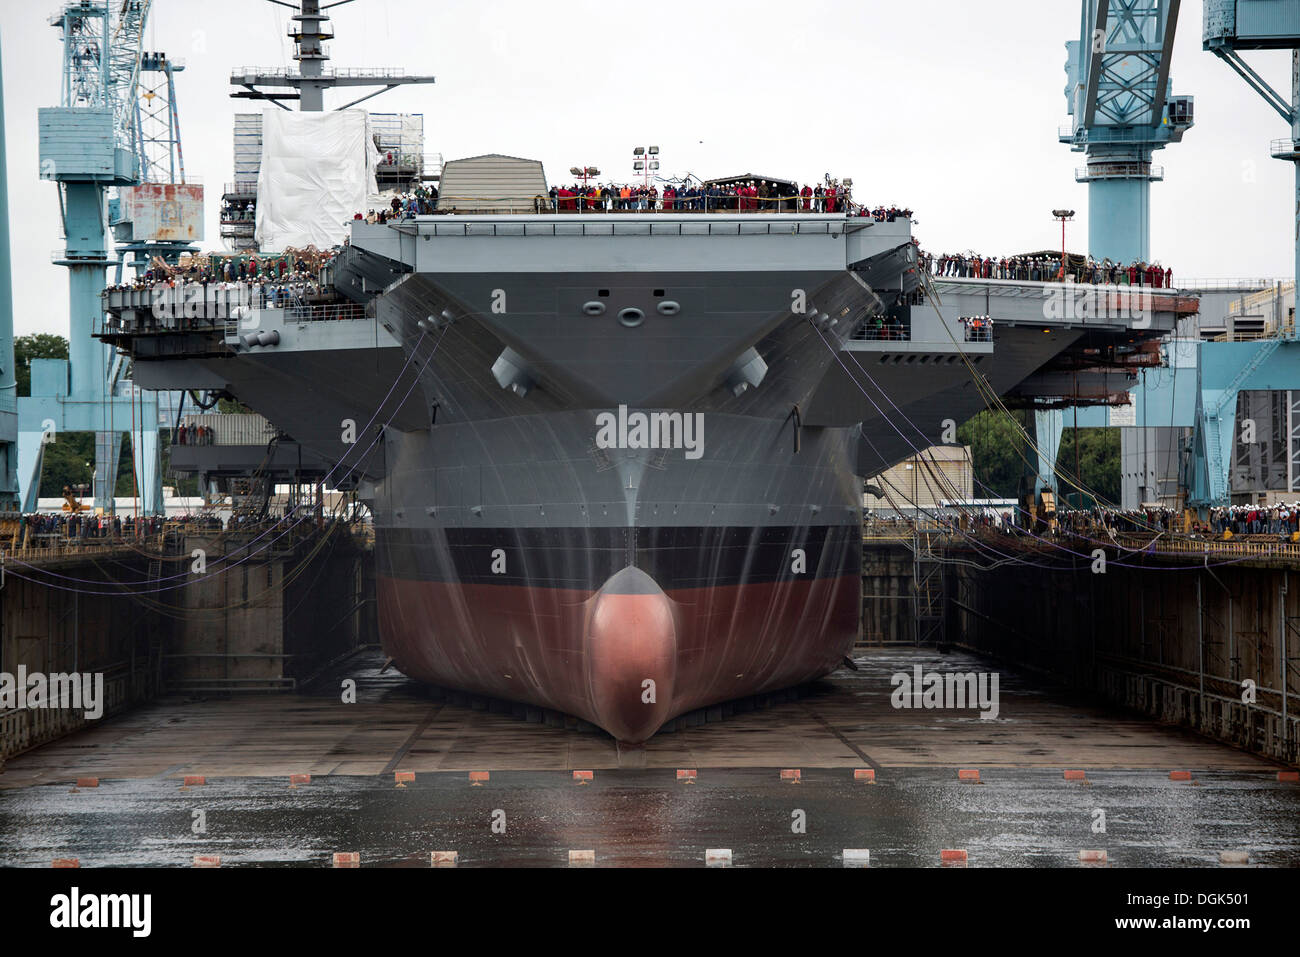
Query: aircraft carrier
<point x="561" y="536"/>
<point x="461" y="367"/>
<point x="624" y="578"/>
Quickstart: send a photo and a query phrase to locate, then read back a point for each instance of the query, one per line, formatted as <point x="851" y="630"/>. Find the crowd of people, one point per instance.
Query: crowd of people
<point x="741" y="196"/>
<point x="882" y="328"/>
<point x="1274" y="523"/>
<point x="42" y="529"/>
<point x="1046" y="267"/>
<point x="738" y="196"/>
<point x="57" y="529"/>
<point x="978" y="328"/>
<point x="191" y="434"/>
<point x="290" y="278"/>
<point x="1282" y="519"/>
<point x="241" y="211"/>
<point x="292" y="265"/>
<point x="1278" y="521"/>
<point x="757" y="195"/>
<point x="885" y="214"/>
<point x="1099" y="520"/>
<point x="421" y="201"/>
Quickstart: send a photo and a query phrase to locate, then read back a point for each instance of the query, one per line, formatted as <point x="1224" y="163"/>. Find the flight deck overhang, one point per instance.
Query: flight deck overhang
<point x="648" y="242"/>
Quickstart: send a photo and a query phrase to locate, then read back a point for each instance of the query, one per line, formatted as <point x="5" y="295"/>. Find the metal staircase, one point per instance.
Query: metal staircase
<point x="929" y="595"/>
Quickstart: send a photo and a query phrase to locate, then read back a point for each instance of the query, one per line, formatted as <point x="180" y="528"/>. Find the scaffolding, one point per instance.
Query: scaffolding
<point x="399" y="138"/>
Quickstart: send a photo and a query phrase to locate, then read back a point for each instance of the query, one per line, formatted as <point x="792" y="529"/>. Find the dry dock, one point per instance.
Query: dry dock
<point x="531" y="811"/>
<point x="845" y="721"/>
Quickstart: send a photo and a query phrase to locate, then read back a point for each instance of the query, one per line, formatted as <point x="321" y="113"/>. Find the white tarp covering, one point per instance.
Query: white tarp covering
<point x="317" y="169"/>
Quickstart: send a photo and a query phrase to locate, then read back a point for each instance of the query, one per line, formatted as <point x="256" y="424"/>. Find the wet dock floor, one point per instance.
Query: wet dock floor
<point x="1022" y="812"/>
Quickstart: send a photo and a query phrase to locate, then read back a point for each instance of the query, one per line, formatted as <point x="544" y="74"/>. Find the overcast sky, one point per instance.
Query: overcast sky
<point x="947" y="106"/>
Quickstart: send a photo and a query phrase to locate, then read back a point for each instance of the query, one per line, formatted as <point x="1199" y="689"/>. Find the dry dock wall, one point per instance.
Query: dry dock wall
<point x="58" y="631"/>
<point x="265" y="617"/>
<point x="259" y="618"/>
<point x="1204" y="644"/>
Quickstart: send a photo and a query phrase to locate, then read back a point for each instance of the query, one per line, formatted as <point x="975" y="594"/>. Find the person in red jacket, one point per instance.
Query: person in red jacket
<point x="806" y="193"/>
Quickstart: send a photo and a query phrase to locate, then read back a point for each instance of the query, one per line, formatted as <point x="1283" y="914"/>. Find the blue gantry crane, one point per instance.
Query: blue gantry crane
<point x="1120" y="99"/>
<point x="1119" y="96"/>
<point x="89" y="144"/>
<point x="1226" y="369"/>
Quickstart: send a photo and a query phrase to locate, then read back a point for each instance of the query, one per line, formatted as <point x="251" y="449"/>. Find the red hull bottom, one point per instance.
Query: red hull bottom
<point x="626" y="658"/>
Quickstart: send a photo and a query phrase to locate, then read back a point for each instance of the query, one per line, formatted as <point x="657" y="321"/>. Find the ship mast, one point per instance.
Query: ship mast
<point x="310" y="29"/>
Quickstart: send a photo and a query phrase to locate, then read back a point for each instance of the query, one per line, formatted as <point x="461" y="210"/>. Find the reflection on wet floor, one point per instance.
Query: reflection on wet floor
<point x="1022" y="812"/>
<point x="1013" y="817"/>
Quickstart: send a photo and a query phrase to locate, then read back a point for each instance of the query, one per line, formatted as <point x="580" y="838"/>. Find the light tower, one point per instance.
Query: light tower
<point x="645" y="160"/>
<point x="1063" y="216"/>
<point x="1119" y="96"/>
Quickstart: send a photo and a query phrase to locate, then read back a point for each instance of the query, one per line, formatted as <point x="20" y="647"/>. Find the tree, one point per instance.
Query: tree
<point x="41" y="345"/>
<point x="998" y="451"/>
<point x="1099" y="465"/>
<point x="232" y="406"/>
<point x="70" y="461"/>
